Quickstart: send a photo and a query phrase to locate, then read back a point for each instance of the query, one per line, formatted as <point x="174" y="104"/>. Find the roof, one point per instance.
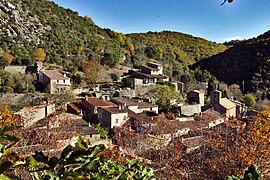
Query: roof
<point x="193" y="142"/>
<point x="197" y="91"/>
<point x="55" y="74"/>
<point x="148" y="67"/>
<point x="124" y="100"/>
<point x="226" y="103"/>
<point x="141" y="118"/>
<point x="173" y="126"/>
<point x="96" y="102"/>
<point x="133" y="102"/>
<point x="137" y="74"/>
<point x="115" y="110"/>
<point x="208" y="115"/>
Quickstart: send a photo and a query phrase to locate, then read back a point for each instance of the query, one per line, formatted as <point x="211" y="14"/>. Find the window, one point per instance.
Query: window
<point x="57" y="81"/>
<point x="116" y="121"/>
<point x="145" y="81"/>
<point x="64" y="81"/>
<point x="151" y="80"/>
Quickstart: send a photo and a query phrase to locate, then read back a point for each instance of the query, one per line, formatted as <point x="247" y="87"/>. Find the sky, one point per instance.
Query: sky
<point x="242" y="19"/>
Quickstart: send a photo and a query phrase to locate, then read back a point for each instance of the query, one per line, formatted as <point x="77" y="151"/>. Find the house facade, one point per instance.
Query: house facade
<point x="52" y="81"/>
<point x="222" y="105"/>
<point x="195" y="97"/>
<point x="145" y="78"/>
<point x="110" y="117"/>
<point x="92" y="105"/>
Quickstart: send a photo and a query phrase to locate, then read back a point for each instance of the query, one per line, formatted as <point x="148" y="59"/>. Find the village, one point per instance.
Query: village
<point x="129" y="117"/>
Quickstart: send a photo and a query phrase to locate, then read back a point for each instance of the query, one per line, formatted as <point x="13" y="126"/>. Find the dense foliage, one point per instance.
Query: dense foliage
<point x="174" y="47"/>
<point x="246" y="63"/>
<point x="70" y="41"/>
<point x="83" y="163"/>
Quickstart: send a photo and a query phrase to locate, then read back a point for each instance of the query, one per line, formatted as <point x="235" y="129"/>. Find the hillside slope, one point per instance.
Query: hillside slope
<point x="70" y="40"/>
<point x="246" y="62"/>
<point x="175" y="46"/>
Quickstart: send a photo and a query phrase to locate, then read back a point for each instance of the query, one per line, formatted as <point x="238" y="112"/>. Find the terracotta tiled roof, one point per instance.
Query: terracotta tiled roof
<point x="208" y="115"/>
<point x="96" y="102"/>
<point x="123" y="100"/>
<point x="54" y="74"/>
<point x="172" y="126"/>
<point x="132" y="102"/>
<point x="115" y="110"/>
<point x="226" y="103"/>
<point x="141" y="118"/>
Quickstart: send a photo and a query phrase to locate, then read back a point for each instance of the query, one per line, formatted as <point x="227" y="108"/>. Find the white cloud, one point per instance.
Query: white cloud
<point x="232" y="38"/>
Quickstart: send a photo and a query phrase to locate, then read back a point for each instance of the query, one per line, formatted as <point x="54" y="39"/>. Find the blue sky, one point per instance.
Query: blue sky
<point x="241" y="19"/>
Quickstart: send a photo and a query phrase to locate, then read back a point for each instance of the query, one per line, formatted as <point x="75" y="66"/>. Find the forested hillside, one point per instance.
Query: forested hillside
<point x="70" y="40"/>
<point x="245" y="63"/>
<point x="175" y="47"/>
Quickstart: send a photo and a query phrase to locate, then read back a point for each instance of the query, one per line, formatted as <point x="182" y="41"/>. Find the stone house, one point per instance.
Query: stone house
<point x="52" y="81"/>
<point x="222" y="105"/>
<point x="136" y="105"/>
<point x="195" y="97"/>
<point x="52" y="134"/>
<point x="152" y="68"/>
<point x="146" y="77"/>
<point x="179" y="86"/>
<point x="211" y="117"/>
<point x="110" y="117"/>
<point x="30" y="115"/>
<point x="91" y="106"/>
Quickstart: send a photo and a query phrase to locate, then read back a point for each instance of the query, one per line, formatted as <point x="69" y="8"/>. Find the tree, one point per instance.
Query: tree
<point x="7" y="117"/>
<point x="92" y="70"/>
<point x="249" y="100"/>
<point x="7" y="59"/>
<point x="163" y="95"/>
<point x="236" y="145"/>
<point x="250" y="174"/>
<point x="84" y="162"/>
<point x="89" y="20"/>
<point x="212" y="85"/>
<point x="39" y="54"/>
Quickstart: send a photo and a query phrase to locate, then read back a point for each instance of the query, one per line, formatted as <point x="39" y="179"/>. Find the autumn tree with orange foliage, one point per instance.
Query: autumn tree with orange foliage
<point x="238" y="144"/>
<point x="39" y="55"/>
<point x="255" y="144"/>
<point x="89" y="20"/>
<point x="7" y="59"/>
<point x="7" y="117"/>
<point x="93" y="71"/>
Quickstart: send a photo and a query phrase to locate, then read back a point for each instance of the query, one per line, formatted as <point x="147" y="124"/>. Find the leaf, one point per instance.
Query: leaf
<point x="2" y="147"/>
<point x="6" y="129"/>
<point x="40" y="157"/>
<point x="53" y="162"/>
<point x="9" y="137"/>
<point x="66" y="153"/>
<point x="4" y="177"/>
<point x="32" y="162"/>
<point x="4" y="166"/>
<point x="233" y="178"/>
<point x="81" y="143"/>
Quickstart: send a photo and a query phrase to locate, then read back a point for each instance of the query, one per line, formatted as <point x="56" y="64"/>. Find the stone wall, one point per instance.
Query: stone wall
<point x="190" y="110"/>
<point x="142" y="89"/>
<point x="36" y="113"/>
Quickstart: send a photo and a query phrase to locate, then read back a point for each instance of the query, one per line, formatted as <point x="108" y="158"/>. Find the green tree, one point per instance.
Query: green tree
<point x="212" y="85"/>
<point x="249" y="100"/>
<point x="163" y="95"/>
